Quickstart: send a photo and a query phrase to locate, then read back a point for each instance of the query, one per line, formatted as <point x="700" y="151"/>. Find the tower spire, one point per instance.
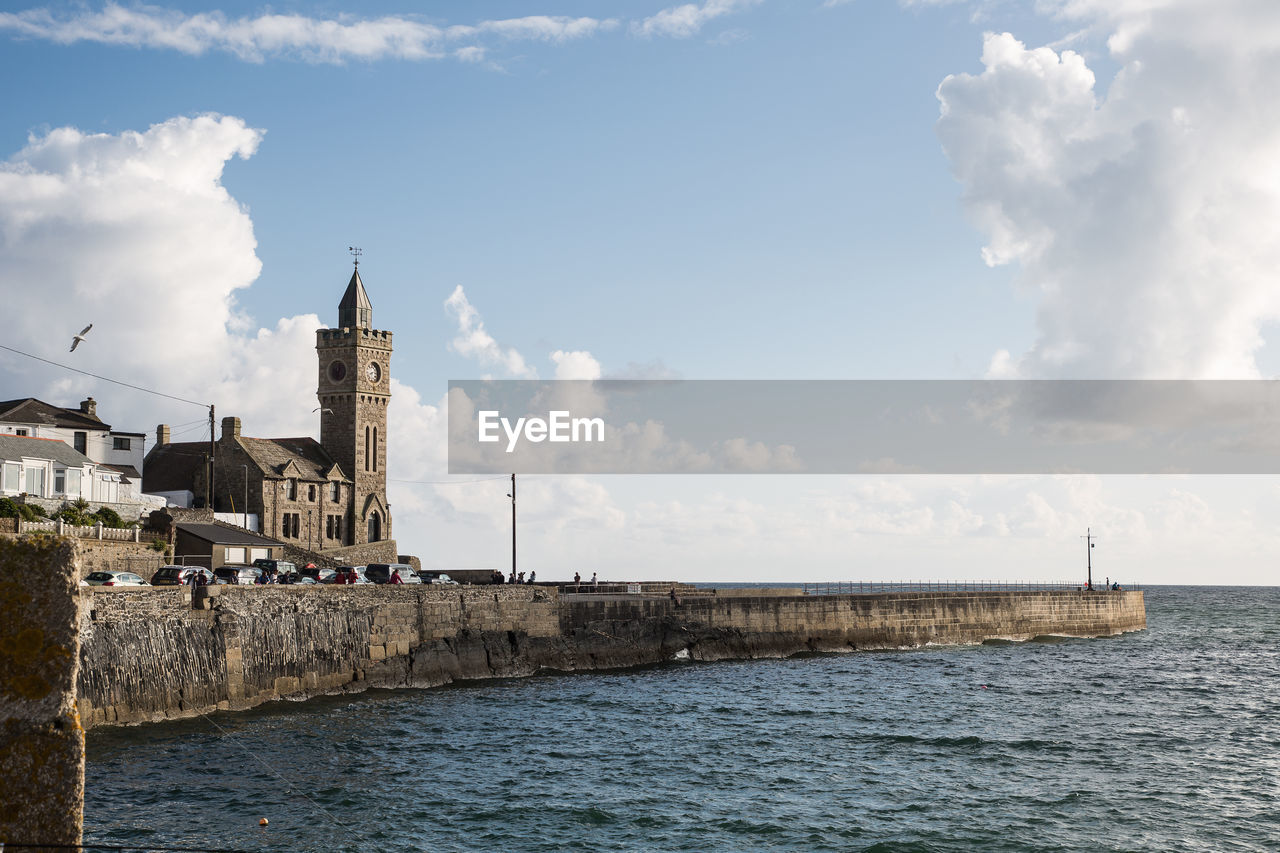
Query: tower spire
<point x="355" y="311"/>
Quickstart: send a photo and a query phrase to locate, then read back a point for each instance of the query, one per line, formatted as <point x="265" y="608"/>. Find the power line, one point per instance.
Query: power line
<point x="447" y="482"/>
<point x="105" y="378"/>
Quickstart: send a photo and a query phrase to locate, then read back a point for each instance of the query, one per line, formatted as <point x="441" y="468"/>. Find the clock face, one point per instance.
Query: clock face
<point x="337" y="371"/>
<point x="373" y="372"/>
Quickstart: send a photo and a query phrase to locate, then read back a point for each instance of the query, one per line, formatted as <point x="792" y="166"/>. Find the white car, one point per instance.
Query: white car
<point x="114" y="579"/>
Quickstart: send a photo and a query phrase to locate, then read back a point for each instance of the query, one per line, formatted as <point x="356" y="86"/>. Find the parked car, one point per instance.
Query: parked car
<point x="382" y="572"/>
<point x="114" y="579"/>
<point x="437" y="577"/>
<point x="180" y="575"/>
<point x="342" y="573"/>
<point x="276" y="568"/>
<point x="242" y="575"/>
<point x="319" y="575"/>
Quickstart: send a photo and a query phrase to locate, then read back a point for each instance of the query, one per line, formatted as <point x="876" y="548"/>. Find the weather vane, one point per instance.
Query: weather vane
<point x="356" y="252"/>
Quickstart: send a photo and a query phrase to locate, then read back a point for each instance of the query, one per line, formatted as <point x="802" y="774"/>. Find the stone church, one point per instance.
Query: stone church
<point x="314" y="495"/>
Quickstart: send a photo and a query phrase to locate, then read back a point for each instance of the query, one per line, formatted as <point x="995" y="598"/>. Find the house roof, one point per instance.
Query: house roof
<point x="14" y="447"/>
<point x="172" y="467"/>
<point x="274" y="455"/>
<point x="130" y="473"/>
<point x="29" y="410"/>
<point x="216" y="534"/>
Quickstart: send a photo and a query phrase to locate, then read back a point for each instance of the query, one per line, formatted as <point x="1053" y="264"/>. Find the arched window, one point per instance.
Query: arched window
<point x="375" y="527"/>
<point x="366" y="448"/>
<point x="375" y="448"/>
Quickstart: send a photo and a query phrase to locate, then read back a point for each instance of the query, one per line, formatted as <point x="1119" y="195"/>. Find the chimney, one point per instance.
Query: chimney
<point x="162" y="434"/>
<point x="89" y="407"/>
<point x="230" y="428"/>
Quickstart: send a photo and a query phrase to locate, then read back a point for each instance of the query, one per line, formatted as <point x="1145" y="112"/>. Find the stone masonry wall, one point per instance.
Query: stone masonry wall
<point x="151" y="654"/>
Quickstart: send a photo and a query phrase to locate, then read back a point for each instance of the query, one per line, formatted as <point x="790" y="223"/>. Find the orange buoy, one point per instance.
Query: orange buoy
<point x="262" y="821"/>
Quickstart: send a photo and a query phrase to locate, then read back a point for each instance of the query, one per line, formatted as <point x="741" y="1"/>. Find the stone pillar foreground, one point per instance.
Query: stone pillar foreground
<point x="41" y="741"/>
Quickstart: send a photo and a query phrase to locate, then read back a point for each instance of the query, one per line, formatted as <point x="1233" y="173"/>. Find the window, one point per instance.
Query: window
<point x="259" y="554"/>
<point x="311" y="493"/>
<point x="12" y="477"/>
<point x="21" y="432"/>
<point x="118" y="443"/>
<point x="335" y="492"/>
<point x="73" y="482"/>
<point x="35" y="482"/>
<point x="81" y="441"/>
<point x="233" y="555"/>
<point x="375" y="448"/>
<point x="366" y="448"/>
<point x="328" y="527"/>
<point x="60" y="481"/>
<point x="296" y="518"/>
<point x="291" y="489"/>
<point x="284" y="525"/>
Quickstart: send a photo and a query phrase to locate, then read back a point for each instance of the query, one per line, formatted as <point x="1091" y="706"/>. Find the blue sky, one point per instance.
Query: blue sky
<point x="734" y="189"/>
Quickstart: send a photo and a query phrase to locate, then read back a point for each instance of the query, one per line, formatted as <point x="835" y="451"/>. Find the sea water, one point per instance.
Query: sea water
<point x="1165" y="739"/>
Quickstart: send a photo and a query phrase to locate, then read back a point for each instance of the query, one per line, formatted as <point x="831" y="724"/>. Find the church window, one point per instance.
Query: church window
<point x="366" y="448"/>
<point x="375" y="448"/>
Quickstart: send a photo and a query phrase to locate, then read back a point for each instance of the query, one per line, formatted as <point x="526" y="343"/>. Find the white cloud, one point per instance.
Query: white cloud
<point x="473" y="341"/>
<point x="688" y="19"/>
<point x="332" y="40"/>
<point x="1146" y="214"/>
<point x="578" y="364"/>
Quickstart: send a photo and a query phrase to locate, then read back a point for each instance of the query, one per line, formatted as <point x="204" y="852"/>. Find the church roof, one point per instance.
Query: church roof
<point x="355" y="310"/>
<point x="274" y="455"/>
<point x="29" y="410"/>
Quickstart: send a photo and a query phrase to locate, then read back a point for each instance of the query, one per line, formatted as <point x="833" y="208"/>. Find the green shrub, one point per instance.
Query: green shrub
<point x="32" y="512"/>
<point x="109" y="517"/>
<point x="9" y="509"/>
<point x="159" y="545"/>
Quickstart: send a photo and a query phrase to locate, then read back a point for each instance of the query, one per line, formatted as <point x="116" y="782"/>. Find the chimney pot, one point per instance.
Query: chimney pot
<point x="230" y="427"/>
<point x="162" y="434"/>
<point x="89" y="407"/>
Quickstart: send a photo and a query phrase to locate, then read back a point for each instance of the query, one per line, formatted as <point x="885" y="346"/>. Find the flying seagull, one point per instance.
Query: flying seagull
<point x="75" y="342"/>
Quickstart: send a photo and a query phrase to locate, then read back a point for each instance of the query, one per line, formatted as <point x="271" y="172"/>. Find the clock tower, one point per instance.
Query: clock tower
<point x="354" y="390"/>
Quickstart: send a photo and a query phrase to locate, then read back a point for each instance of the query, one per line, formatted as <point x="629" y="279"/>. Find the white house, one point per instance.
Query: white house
<point x="117" y="455"/>
<point x="48" y="468"/>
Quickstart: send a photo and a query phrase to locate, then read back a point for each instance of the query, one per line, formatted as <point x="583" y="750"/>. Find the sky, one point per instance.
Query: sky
<point x="727" y="189"/>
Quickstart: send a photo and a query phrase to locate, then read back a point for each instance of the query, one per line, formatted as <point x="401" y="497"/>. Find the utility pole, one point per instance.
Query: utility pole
<point x="208" y="490"/>
<point x="1088" y="538"/>
<point x="513" y="524"/>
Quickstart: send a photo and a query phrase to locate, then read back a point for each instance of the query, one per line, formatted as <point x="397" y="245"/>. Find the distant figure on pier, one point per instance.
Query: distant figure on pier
<point x="594" y="581"/>
<point x="512" y="579"/>
<point x="520" y="578"/>
<point x="532" y="575"/>
<point x="495" y="576"/>
<point x="395" y="577"/>
<point x="577" y="581"/>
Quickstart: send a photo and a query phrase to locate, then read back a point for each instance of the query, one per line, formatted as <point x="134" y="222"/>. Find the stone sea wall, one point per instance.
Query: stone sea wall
<point x="153" y="654"/>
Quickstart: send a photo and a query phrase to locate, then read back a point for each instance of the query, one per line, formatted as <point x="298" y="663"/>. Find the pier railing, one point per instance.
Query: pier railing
<point x="874" y="587"/>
